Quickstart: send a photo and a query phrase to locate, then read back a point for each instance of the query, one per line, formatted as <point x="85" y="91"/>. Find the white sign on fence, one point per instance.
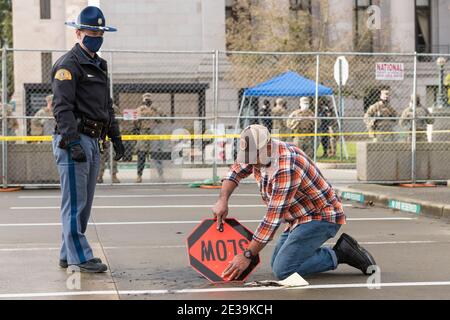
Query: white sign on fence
<point x="389" y="71"/>
<point x="344" y="70"/>
<point x="130" y="114"/>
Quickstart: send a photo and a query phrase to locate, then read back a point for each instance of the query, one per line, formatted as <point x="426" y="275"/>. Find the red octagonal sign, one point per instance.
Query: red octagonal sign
<point x="210" y="250"/>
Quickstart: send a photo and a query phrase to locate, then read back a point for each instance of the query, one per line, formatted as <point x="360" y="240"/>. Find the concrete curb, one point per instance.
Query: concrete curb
<point x="341" y="166"/>
<point x="429" y="209"/>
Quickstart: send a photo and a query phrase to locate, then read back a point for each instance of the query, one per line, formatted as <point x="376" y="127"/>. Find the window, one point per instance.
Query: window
<point x="297" y="5"/>
<point x="45" y="9"/>
<point x="362" y="39"/>
<point x="46" y="66"/>
<point x="423" y="26"/>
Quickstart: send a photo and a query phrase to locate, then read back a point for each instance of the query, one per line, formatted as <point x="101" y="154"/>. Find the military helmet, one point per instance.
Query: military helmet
<point x="146" y="96"/>
<point x="281" y="102"/>
<point x="49" y="98"/>
<point x="304" y="100"/>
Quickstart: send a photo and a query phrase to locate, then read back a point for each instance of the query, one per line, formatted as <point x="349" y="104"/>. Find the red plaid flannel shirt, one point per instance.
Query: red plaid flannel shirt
<point x="293" y="189"/>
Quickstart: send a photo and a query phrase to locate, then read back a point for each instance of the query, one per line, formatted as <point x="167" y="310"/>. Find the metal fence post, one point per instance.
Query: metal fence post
<point x="4" y="117"/>
<point x="414" y="136"/>
<point x="215" y="109"/>
<point x="316" y="103"/>
<point x="111" y="93"/>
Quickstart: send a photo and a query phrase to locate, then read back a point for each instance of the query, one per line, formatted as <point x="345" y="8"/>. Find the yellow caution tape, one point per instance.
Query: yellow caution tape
<point x="163" y="137"/>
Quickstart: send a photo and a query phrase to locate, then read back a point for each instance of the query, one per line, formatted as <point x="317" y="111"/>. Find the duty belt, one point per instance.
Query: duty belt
<point x="91" y="128"/>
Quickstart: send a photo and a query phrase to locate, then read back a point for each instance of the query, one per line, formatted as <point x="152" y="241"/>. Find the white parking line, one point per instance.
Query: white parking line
<point x="221" y="290"/>
<point x="121" y="223"/>
<point x="148" y="207"/>
<point x="184" y="246"/>
<point x="154" y="207"/>
<point x="146" y="196"/>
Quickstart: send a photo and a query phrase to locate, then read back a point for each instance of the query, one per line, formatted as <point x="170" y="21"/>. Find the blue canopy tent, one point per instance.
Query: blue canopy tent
<point x="288" y="84"/>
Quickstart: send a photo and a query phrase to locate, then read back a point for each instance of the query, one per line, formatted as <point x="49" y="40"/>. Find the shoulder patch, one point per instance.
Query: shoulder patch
<point x="63" y="74"/>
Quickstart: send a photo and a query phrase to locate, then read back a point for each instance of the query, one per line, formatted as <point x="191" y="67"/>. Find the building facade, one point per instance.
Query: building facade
<point x="182" y="82"/>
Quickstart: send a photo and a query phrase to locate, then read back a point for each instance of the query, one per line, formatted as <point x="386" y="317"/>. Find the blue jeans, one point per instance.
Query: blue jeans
<point x="78" y="181"/>
<point x="300" y="250"/>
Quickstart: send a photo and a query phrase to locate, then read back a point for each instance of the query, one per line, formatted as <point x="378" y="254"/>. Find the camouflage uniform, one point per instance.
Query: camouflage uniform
<point x="380" y="109"/>
<point x="421" y="124"/>
<point x="12" y="124"/>
<point x="299" y="126"/>
<point x="104" y="157"/>
<point x="279" y="125"/>
<point x="146" y="147"/>
<point x="43" y="127"/>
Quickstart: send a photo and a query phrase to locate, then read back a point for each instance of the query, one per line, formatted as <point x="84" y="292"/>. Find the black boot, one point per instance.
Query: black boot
<point x="63" y="263"/>
<point x="89" y="267"/>
<point x="350" y="252"/>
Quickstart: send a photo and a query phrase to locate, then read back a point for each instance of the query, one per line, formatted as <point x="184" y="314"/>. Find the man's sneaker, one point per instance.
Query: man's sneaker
<point x="350" y="252"/>
<point x="89" y="267"/>
<point x="63" y="263"/>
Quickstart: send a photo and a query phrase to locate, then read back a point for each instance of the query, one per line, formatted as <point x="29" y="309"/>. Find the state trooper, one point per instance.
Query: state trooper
<point x="41" y="125"/>
<point x="385" y="127"/>
<point x="145" y="148"/>
<point x="421" y="123"/>
<point x="279" y="110"/>
<point x="82" y="107"/>
<point x="303" y="126"/>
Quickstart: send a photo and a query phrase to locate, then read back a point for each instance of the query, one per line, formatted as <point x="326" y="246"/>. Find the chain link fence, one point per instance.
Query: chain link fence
<point x="180" y="114"/>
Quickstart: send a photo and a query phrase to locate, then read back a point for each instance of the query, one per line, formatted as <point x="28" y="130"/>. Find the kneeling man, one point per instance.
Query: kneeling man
<point x="296" y="193"/>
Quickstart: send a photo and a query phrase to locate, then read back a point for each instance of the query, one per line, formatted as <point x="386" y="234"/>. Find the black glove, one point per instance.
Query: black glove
<point x="119" y="148"/>
<point x="77" y="152"/>
<point x="71" y="143"/>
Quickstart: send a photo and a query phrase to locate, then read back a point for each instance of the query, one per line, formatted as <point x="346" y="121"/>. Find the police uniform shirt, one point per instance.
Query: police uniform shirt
<point x="80" y="88"/>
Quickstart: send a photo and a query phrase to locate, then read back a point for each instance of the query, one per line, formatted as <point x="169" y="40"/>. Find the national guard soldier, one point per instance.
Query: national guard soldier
<point x="303" y="126"/>
<point x="104" y="157"/>
<point x="385" y="127"/>
<point x="264" y="113"/>
<point x="11" y="124"/>
<point x="279" y="110"/>
<point x="41" y="125"/>
<point x="327" y="128"/>
<point x="145" y="148"/>
<point x="84" y="116"/>
<point x="421" y="123"/>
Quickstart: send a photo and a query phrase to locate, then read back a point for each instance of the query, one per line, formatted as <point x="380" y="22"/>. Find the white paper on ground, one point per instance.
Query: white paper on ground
<point x="294" y="280"/>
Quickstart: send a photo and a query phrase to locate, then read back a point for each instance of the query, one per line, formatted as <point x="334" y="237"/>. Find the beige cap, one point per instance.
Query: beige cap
<point x="253" y="143"/>
<point x="304" y="99"/>
<point x="281" y="102"/>
<point x="146" y="96"/>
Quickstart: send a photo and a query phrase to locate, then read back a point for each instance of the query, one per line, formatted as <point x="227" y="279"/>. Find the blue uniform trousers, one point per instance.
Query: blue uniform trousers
<point x="78" y="180"/>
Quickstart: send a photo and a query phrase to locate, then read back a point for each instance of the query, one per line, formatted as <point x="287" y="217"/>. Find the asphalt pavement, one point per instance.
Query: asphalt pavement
<point x="140" y="232"/>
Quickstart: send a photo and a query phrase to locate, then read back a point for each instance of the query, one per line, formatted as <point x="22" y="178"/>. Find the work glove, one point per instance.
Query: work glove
<point x="77" y="153"/>
<point x="119" y="148"/>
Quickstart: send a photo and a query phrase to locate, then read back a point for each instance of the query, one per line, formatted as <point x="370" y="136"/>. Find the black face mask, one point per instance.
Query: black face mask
<point x="93" y="44"/>
<point x="148" y="103"/>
